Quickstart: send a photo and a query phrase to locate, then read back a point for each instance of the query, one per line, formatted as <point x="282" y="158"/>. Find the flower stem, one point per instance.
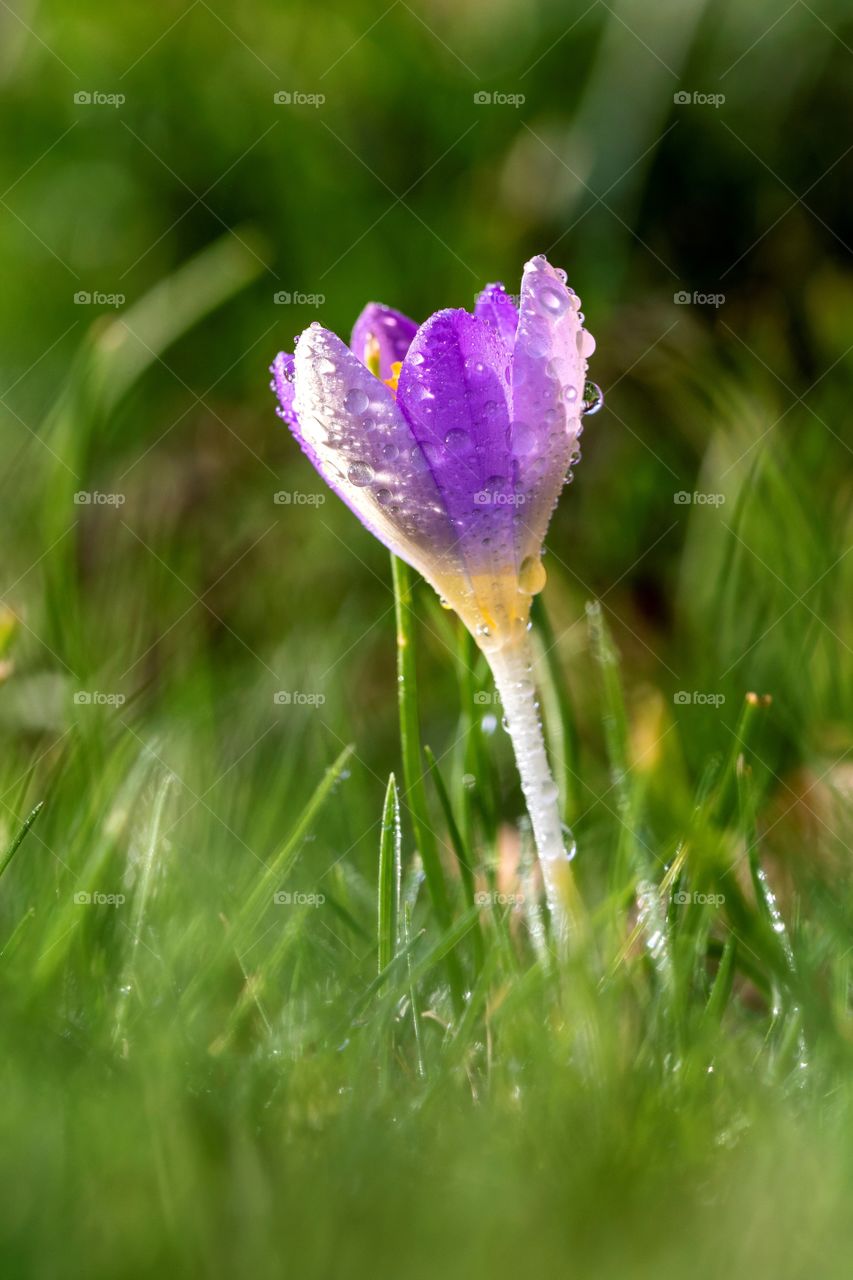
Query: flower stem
<point x="512" y="670"/>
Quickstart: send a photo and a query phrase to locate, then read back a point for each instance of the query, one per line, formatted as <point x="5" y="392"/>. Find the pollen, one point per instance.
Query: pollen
<point x="395" y="376"/>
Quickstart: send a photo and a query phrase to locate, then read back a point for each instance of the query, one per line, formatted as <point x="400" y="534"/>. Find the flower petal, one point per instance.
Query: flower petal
<point x="383" y="330"/>
<point x="453" y="391"/>
<point x="282" y="384"/>
<point x="496" y="307"/>
<point x="351" y="428"/>
<point x="548" y="374"/>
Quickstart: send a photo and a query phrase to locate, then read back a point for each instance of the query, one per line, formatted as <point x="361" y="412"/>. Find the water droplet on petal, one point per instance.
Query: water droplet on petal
<point x="389" y="452"/>
<point x="356" y="400"/>
<point x="554" y="301"/>
<point x="586" y="343"/>
<point x="360" y="473"/>
<point x="593" y="399"/>
<point x="531" y="575"/>
<point x="523" y="437"/>
<point x="457" y="441"/>
<point x="383" y="497"/>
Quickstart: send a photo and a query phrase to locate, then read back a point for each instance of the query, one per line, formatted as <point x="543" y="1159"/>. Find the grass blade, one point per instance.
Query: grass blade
<point x="390" y="872"/>
<point x="410" y="741"/>
<point x="20" y="837"/>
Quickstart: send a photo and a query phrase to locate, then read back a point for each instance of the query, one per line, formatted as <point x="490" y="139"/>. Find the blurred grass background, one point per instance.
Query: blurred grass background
<point x="166" y="1105"/>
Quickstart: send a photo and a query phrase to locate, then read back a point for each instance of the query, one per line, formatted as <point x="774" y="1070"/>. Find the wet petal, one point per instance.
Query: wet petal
<point x="497" y="308"/>
<point x="381" y="331"/>
<point x="350" y="426"/>
<point x="453" y="391"/>
<point x="548" y="374"/>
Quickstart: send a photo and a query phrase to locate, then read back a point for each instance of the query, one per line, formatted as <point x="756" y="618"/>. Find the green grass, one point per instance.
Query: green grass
<point x="313" y="1022"/>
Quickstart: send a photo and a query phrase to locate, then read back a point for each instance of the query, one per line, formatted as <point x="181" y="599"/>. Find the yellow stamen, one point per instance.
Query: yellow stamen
<point x="395" y="376"/>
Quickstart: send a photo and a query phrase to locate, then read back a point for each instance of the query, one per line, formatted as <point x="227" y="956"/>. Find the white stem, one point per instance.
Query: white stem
<point x="512" y="670"/>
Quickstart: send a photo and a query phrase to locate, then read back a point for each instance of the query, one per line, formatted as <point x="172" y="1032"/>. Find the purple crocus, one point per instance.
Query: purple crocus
<point x="451" y="442"/>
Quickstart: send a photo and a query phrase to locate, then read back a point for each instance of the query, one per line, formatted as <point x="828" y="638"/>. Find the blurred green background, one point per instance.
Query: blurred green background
<point x="401" y="186"/>
<point x="166" y="226"/>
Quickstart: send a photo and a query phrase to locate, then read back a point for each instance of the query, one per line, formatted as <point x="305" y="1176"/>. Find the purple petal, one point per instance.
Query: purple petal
<point x="548" y="374"/>
<point x="453" y="391"/>
<point x="351" y="428"/>
<point x="496" y="307"/>
<point x="283" y="386"/>
<point x="386" y="330"/>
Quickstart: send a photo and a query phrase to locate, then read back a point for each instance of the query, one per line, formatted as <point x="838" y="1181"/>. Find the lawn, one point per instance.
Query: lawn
<point x="280" y="993"/>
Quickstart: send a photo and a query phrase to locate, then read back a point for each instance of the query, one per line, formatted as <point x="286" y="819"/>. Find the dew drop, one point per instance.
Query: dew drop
<point x="531" y="576"/>
<point x="554" y="302"/>
<point x="593" y="399"/>
<point x="356" y="400"/>
<point x="586" y="343"/>
<point x="457" y="441"/>
<point x="523" y="437"/>
<point x="569" y="842"/>
<point x="383" y="497"/>
<point x="360" y="474"/>
<point x="389" y="452"/>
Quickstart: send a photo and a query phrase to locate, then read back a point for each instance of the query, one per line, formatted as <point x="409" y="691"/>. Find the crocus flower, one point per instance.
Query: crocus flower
<point x="451" y="442"/>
